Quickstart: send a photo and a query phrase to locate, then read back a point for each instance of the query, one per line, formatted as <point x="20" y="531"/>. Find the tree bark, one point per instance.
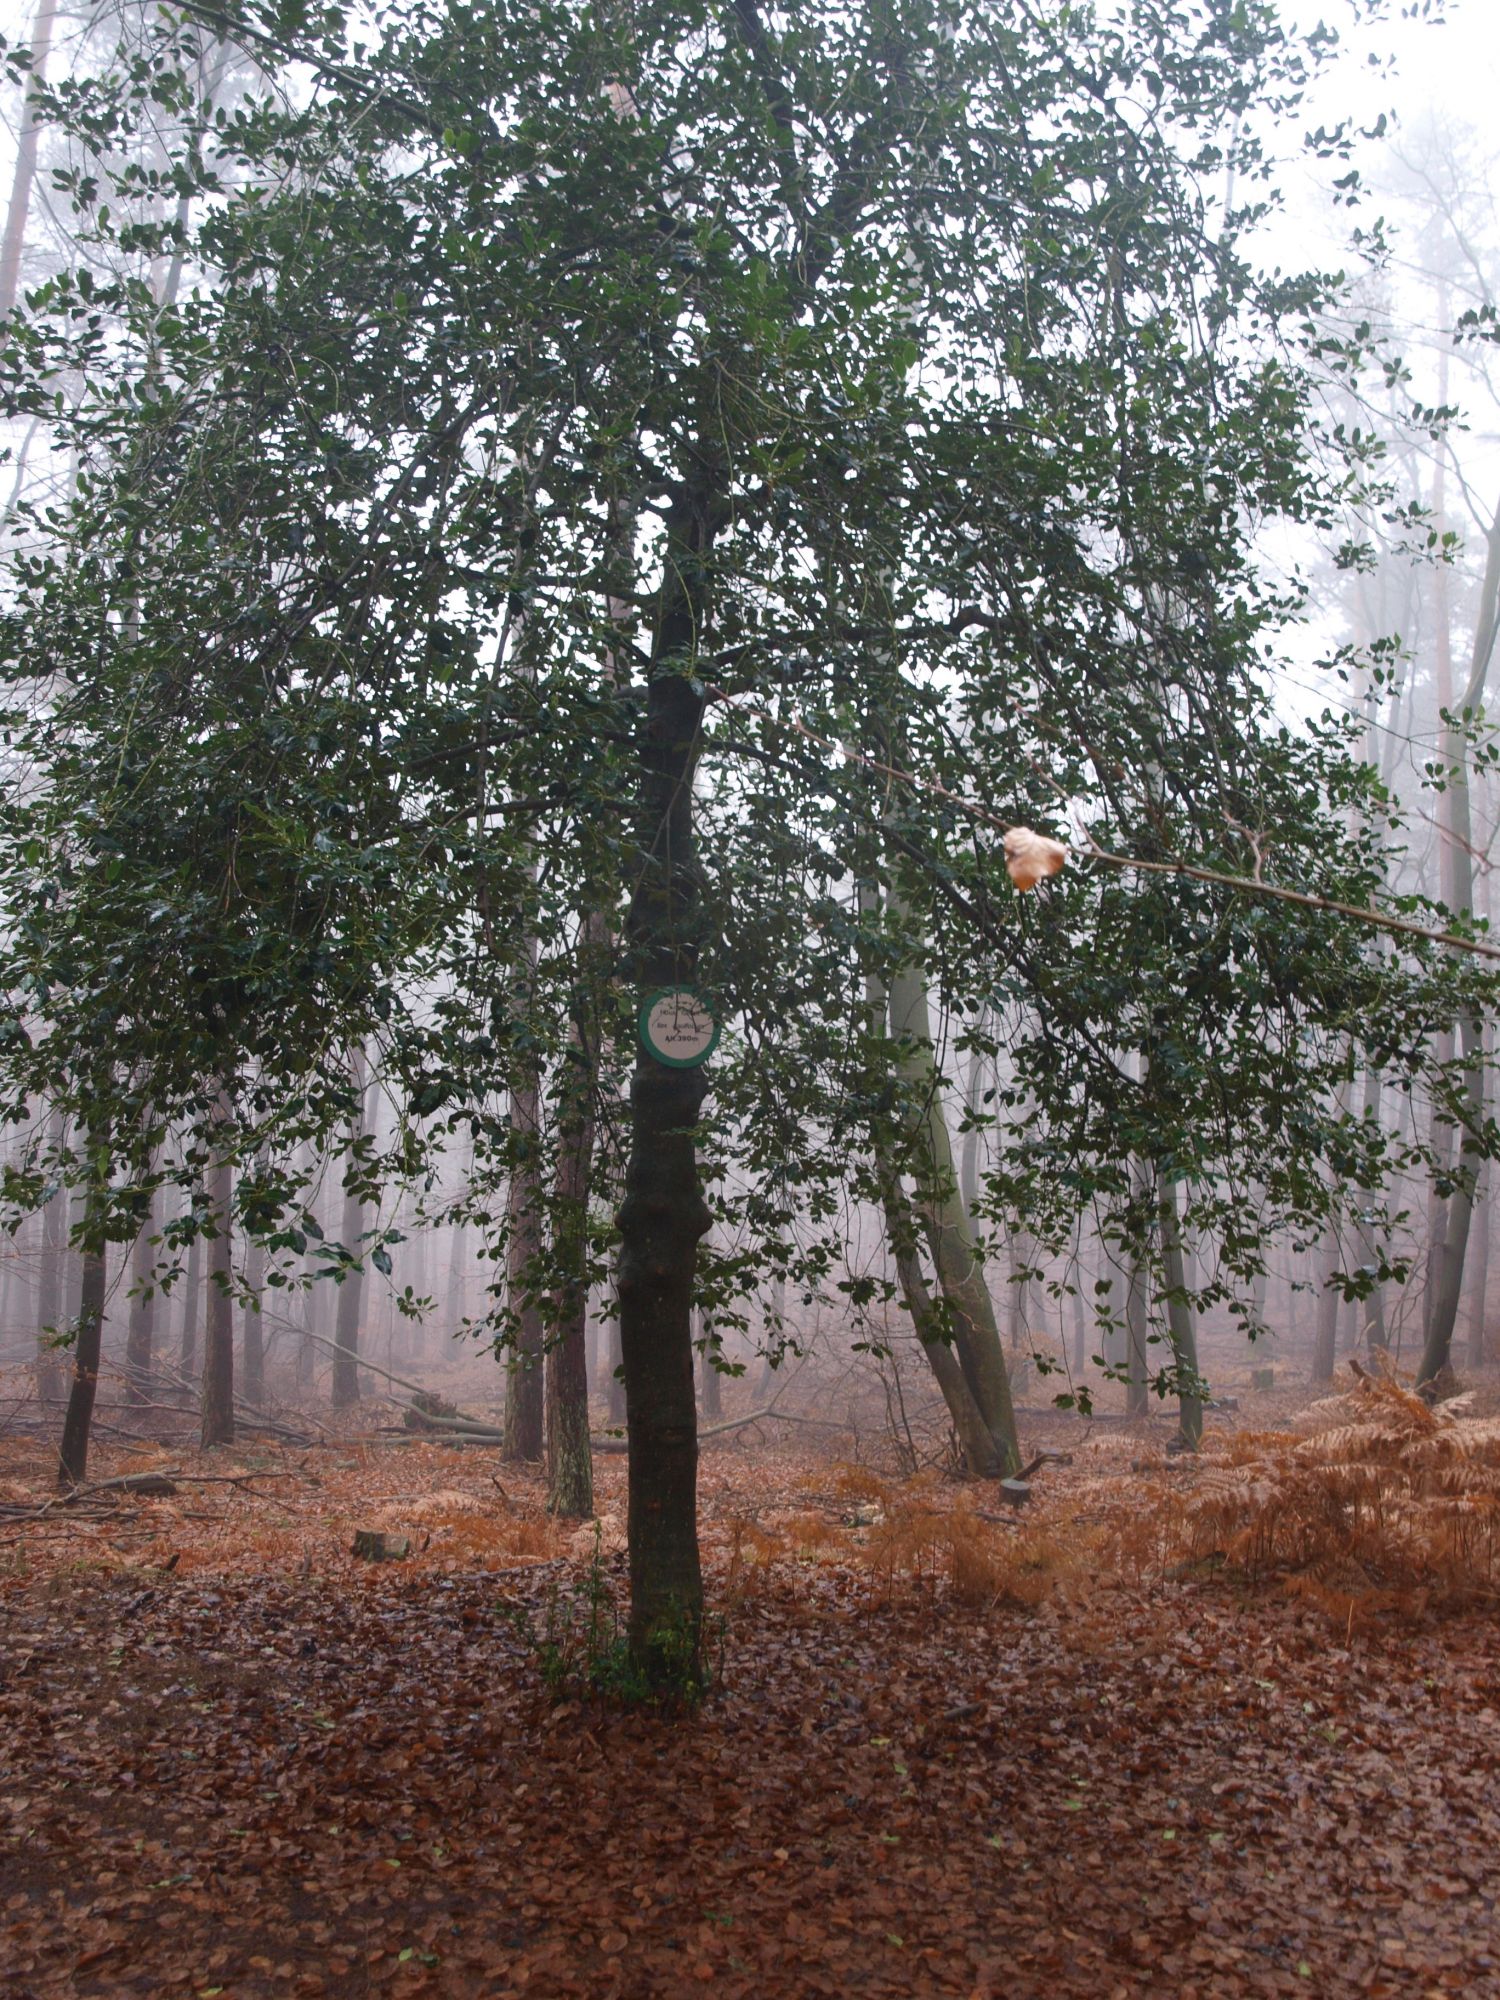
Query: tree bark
<point x="351" y="1292"/>
<point x="1325" y="1342"/>
<point x="663" y="1215"/>
<point x="945" y="1221"/>
<point x="252" y="1327"/>
<point x="1137" y="1332"/>
<point x="141" y="1326"/>
<point x="73" y="1453"/>
<point x="24" y="177"/>
<point x="217" y="1387"/>
<point x="710" y="1389"/>
<point x="192" y="1295"/>
<point x="982" y="1456"/>
<point x="1180" y="1326"/>
<point x="524" y="1434"/>
<point x="570" y="1470"/>
<point x="49" y="1302"/>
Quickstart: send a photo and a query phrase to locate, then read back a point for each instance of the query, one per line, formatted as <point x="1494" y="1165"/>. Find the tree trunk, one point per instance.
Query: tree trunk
<point x="192" y="1295"/>
<point x="218" y="1327"/>
<point x="1448" y="1275"/>
<point x="524" y="1382"/>
<point x="1325" y="1345"/>
<point x="1180" y="1326"/>
<point x="710" y="1381"/>
<point x="1137" y="1332"/>
<point x="140" y="1330"/>
<point x="663" y="1214"/>
<point x="981" y="1455"/>
<point x="252" y="1330"/>
<point x="24" y="176"/>
<point x="570" y="1471"/>
<point x="945" y="1221"/>
<point x="1445" y="1284"/>
<point x="49" y="1301"/>
<point x="1479" y="1273"/>
<point x="351" y="1291"/>
<point x="73" y="1454"/>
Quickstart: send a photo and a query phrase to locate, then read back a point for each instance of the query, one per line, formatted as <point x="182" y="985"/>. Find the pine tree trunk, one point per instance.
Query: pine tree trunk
<point x="217" y="1387"/>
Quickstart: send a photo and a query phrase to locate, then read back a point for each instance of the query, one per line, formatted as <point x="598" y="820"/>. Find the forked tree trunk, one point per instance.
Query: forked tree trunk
<point x="982" y="1457"/>
<point x="945" y="1222"/>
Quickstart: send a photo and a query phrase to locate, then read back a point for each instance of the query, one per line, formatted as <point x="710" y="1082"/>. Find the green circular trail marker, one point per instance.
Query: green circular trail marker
<point x="677" y="1027"/>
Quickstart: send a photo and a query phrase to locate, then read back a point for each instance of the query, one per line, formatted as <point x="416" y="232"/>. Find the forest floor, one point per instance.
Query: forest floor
<point x="946" y="1755"/>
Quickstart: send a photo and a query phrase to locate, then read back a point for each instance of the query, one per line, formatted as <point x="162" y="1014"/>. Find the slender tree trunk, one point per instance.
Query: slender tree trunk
<point x="524" y="1435"/>
<point x="23" y="179"/>
<point x="945" y="1221"/>
<point x="1325" y="1344"/>
<point x="570" y="1472"/>
<point x="218" y="1325"/>
<point x="1448" y="1276"/>
<point x="49" y="1302"/>
<point x="192" y="1296"/>
<point x="140" y="1331"/>
<point x="252" y="1329"/>
<point x="1180" y="1326"/>
<point x="1137" y="1334"/>
<point x="981" y="1455"/>
<point x="710" y="1389"/>
<point x="73" y="1454"/>
<point x="351" y="1292"/>
<point x="615" y="1387"/>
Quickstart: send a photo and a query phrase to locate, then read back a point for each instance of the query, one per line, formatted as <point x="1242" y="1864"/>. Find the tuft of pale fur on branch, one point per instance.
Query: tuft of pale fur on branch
<point x="1031" y="857"/>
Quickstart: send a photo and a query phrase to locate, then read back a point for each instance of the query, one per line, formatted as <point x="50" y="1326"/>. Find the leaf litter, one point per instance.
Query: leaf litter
<point x="950" y="1752"/>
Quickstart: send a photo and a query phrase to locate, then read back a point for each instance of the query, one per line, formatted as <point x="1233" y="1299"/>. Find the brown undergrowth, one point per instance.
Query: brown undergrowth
<point x="1381" y="1504"/>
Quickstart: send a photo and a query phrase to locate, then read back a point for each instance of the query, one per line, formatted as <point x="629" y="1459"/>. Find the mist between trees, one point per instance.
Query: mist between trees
<point x="518" y="512"/>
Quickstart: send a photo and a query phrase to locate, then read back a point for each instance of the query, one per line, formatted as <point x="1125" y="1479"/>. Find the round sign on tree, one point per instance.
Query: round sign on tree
<point x="678" y="1027"/>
